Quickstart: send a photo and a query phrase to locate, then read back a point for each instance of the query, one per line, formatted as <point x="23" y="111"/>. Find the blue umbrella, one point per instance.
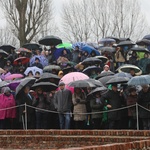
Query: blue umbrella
<point x="33" y="69"/>
<point x="139" y="80"/>
<point x="43" y="60"/>
<point x="58" y="52"/>
<point x="90" y="49"/>
<point x="79" y="44"/>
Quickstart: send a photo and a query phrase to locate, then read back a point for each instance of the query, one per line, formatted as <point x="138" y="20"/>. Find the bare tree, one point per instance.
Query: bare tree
<point x="27" y="17"/>
<point x="76" y="22"/>
<point x="94" y="19"/>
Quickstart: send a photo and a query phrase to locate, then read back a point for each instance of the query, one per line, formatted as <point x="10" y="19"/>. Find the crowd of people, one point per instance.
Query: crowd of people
<point x="64" y="109"/>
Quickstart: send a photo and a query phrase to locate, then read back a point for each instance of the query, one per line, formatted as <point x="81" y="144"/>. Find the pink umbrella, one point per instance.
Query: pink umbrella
<point x="73" y="76"/>
<point x="14" y="76"/>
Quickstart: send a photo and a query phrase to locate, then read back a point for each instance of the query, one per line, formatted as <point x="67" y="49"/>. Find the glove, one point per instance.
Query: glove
<point x="78" y="100"/>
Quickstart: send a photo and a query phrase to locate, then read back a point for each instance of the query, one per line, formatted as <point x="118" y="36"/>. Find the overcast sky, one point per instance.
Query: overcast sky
<point x="145" y="6"/>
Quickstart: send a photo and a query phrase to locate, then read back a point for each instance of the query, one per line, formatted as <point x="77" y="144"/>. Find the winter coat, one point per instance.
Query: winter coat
<point x="6" y="102"/>
<point x="115" y="100"/>
<point x="143" y="64"/>
<point x="119" y="56"/>
<point x="131" y="100"/>
<point x="63" y="100"/>
<point x="144" y="100"/>
<point x="79" y="102"/>
<point x="96" y="107"/>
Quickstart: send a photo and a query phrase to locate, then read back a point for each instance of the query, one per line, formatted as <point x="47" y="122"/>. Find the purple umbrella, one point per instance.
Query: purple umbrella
<point x="13" y="85"/>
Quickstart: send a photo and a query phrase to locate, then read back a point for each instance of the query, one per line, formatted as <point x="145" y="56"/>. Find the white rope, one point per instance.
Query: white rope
<point x="11" y="107"/>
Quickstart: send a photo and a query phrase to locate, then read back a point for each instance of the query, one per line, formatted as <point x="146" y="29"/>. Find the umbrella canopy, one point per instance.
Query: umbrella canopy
<point x="33" y="69"/>
<point x="32" y="46"/>
<point x="46" y="86"/>
<point x="104" y="79"/>
<point x="108" y="73"/>
<point x="79" y="44"/>
<point x="102" y="58"/>
<point x="108" y="49"/>
<point x="143" y="42"/>
<point x="68" y="69"/>
<point x="73" y="76"/>
<point x="23" y="50"/>
<point x="97" y="83"/>
<point x="13" y="85"/>
<point x="139" y="80"/>
<point x="3" y="53"/>
<point x="81" y="84"/>
<point x="25" y="82"/>
<point x="90" y="49"/>
<point x="118" y="80"/>
<point x="65" y="45"/>
<point x="124" y="39"/>
<point x="126" y="43"/>
<point x="23" y="60"/>
<point x="91" y="61"/>
<point x="43" y="60"/>
<point x="3" y="84"/>
<point x="48" y="77"/>
<point x="50" y="68"/>
<point x="50" y="40"/>
<point x="98" y="89"/>
<point x="106" y="40"/>
<point x="7" y="48"/>
<point x="123" y="74"/>
<point x="58" y="52"/>
<point x="112" y="37"/>
<point x="140" y="49"/>
<point x="14" y="76"/>
<point x="127" y="67"/>
<point x="2" y="70"/>
<point x="147" y="37"/>
<point x="89" y="69"/>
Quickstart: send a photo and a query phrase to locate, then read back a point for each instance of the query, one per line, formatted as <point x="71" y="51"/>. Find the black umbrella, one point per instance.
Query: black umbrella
<point x="50" y="40"/>
<point x="127" y="67"/>
<point x="126" y="43"/>
<point x="91" y="61"/>
<point x="32" y="46"/>
<point x="117" y="80"/>
<point x="98" y="89"/>
<point x="108" y="73"/>
<point x="143" y="42"/>
<point x="46" y="86"/>
<point x="7" y="48"/>
<point x="147" y="37"/>
<point x="81" y="84"/>
<point x="48" y="77"/>
<point x="89" y="69"/>
<point x="104" y="79"/>
<point x="97" y="83"/>
<point x="112" y="37"/>
<point x="102" y="58"/>
<point x="3" y="53"/>
<point x="68" y="69"/>
<point x="108" y="49"/>
<point x="25" y="82"/>
<point x="51" y="68"/>
<point x="140" y="49"/>
<point x="124" y="39"/>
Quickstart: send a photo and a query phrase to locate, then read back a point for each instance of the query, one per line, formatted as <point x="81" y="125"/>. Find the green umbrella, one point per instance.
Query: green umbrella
<point x="64" y="45"/>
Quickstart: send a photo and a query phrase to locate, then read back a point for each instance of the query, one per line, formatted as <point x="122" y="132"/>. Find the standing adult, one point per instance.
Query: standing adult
<point x="63" y="104"/>
<point x="114" y="101"/>
<point x="144" y="101"/>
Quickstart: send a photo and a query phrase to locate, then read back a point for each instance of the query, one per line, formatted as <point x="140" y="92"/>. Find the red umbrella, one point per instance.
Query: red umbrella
<point x="14" y="76"/>
<point x="23" y="60"/>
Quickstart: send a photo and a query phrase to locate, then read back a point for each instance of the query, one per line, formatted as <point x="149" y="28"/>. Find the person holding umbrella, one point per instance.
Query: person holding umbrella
<point x="40" y="101"/>
<point x="144" y="101"/>
<point x="79" y="106"/>
<point x="63" y="104"/>
<point x="114" y="101"/>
